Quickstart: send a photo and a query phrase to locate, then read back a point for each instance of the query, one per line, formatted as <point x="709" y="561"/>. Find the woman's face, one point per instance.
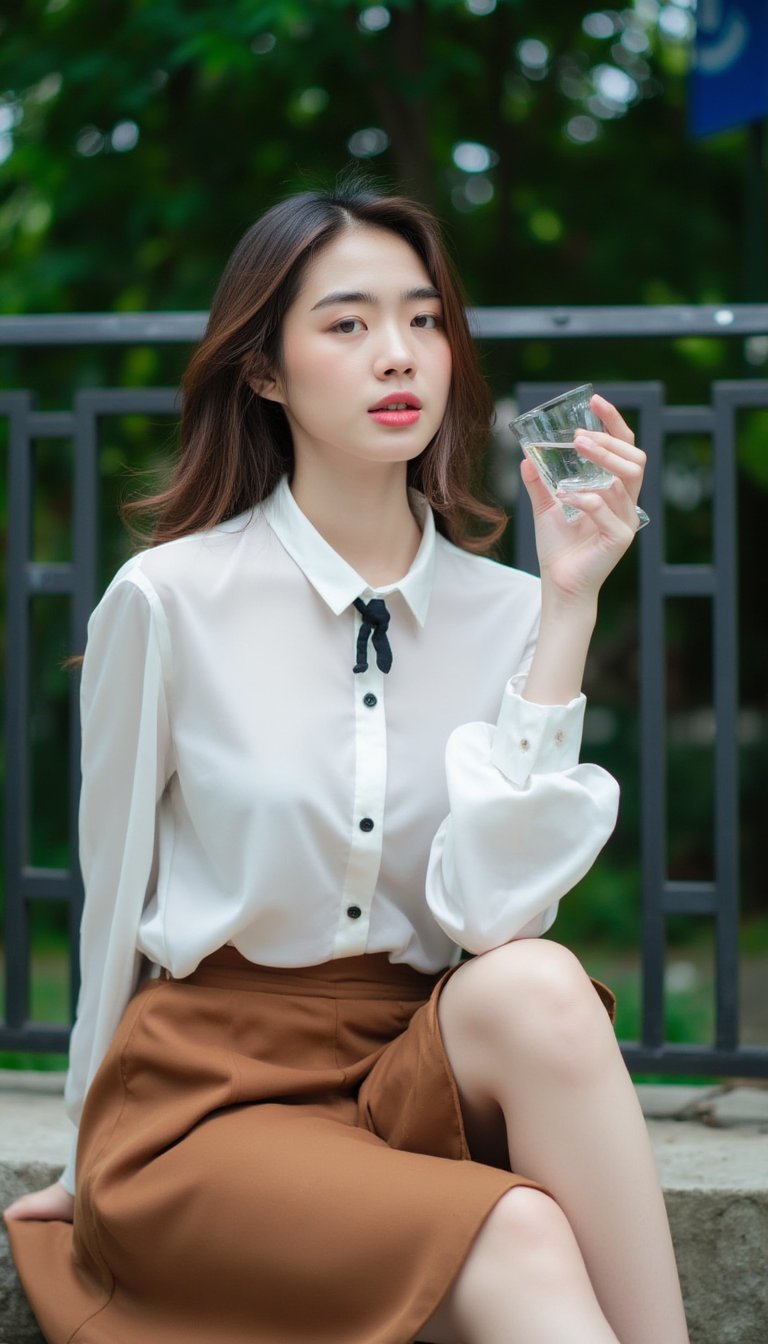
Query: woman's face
<point x="366" y="364"/>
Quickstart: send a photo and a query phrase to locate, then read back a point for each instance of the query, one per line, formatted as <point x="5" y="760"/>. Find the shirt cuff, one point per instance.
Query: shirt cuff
<point x="531" y="739"/>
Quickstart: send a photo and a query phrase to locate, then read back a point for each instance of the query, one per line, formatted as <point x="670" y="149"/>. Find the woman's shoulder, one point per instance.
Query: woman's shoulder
<point x="186" y="563"/>
<point x="484" y="576"/>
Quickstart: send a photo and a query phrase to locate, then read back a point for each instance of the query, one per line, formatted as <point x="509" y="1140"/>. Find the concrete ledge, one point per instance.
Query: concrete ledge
<point x="711" y="1146"/>
<point x="713" y="1164"/>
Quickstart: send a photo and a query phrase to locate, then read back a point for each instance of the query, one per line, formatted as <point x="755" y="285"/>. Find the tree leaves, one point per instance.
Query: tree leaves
<point x="159" y="114"/>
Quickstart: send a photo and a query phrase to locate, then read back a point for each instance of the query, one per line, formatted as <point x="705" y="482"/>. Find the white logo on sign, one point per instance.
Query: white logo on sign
<point x="730" y="36"/>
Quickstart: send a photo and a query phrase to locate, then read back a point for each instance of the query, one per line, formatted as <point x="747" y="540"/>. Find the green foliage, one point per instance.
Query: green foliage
<point x="139" y="138"/>
<point x="144" y="135"/>
<point x="753" y="456"/>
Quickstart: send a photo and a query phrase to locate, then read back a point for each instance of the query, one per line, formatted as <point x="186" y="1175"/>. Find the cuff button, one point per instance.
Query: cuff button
<point x="560" y="737"/>
<point x="524" y="744"/>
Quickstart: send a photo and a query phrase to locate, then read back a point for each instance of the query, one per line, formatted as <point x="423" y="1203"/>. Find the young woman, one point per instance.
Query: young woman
<point x="326" y="746"/>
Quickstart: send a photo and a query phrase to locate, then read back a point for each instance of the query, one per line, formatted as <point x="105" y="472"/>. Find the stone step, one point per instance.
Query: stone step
<point x="711" y="1146"/>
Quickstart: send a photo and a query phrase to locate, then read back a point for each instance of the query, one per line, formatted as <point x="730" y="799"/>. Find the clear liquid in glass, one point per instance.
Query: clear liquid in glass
<point x="565" y="469"/>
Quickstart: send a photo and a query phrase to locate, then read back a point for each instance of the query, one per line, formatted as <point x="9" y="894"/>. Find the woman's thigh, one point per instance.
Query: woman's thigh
<point x="505" y="1016"/>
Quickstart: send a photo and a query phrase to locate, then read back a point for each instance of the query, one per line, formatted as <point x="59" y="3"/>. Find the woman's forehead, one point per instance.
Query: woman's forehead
<point x="365" y="260"/>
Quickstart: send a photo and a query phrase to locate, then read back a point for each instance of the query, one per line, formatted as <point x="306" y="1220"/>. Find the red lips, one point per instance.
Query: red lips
<point x="397" y="399"/>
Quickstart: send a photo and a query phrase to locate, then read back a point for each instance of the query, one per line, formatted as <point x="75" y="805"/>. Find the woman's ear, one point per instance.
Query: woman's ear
<point x="268" y="388"/>
<point x="263" y="379"/>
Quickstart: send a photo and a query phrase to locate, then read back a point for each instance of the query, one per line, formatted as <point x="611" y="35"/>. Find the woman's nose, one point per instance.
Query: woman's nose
<point x="395" y="355"/>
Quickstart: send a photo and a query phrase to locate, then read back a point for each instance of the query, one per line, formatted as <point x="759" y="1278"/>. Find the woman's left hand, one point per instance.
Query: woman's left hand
<point x="575" y="558"/>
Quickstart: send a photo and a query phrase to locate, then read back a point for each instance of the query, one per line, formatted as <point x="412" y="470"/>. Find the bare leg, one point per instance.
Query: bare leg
<point x="524" y="1282"/>
<point x="537" y="1063"/>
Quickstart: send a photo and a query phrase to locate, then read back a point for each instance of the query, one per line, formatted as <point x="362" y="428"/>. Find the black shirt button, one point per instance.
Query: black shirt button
<point x="369" y="700"/>
<point x="354" y="911"/>
<point x="366" y="824"/>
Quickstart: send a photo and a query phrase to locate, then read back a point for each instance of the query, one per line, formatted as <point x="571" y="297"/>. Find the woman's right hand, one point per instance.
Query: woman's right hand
<point x="52" y="1204"/>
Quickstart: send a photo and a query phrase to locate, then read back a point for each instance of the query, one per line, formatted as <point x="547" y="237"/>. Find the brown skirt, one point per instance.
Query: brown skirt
<point x="266" y="1156"/>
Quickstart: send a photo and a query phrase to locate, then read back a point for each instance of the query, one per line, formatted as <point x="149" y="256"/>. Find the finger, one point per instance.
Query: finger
<point x="620" y="447"/>
<point x="623" y="503"/>
<point x="612" y="419"/>
<point x="613" y="527"/>
<point x="621" y="500"/>
<point x="626" y="468"/>
<point x="539" y="495"/>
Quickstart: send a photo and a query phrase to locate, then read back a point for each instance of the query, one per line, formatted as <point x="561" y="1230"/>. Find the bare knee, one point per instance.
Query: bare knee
<point x="522" y="1217"/>
<point x="526" y="1236"/>
<point x="528" y="995"/>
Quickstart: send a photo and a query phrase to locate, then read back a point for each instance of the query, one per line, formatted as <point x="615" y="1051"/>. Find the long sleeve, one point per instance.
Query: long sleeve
<point x="242" y="785"/>
<point x="125" y="767"/>
<point x="526" y="822"/>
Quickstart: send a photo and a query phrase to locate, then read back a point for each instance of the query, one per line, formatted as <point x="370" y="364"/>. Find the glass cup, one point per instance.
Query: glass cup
<point x="546" y="435"/>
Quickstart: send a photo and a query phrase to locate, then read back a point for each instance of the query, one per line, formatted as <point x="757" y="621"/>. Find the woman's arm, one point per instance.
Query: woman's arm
<point x="576" y="558"/>
<point x="125" y="767"/>
<point x="527" y="820"/>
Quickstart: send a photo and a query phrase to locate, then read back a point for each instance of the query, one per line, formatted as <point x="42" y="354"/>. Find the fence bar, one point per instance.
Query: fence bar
<point x="653" y="724"/>
<point x="631" y="321"/>
<point x="50" y="425"/>
<point x="687" y="580"/>
<point x="689" y="898"/>
<point x="717" y="899"/>
<point x="745" y="1062"/>
<point x="47" y="884"/>
<point x="725" y="663"/>
<point x="44" y="577"/>
<point x="17" y="406"/>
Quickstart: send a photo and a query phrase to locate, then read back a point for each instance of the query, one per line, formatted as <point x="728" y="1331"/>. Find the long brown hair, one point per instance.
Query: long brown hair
<point x="235" y="445"/>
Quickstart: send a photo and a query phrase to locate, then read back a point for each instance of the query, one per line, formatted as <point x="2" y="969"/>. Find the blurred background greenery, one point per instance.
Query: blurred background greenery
<point x="138" y="140"/>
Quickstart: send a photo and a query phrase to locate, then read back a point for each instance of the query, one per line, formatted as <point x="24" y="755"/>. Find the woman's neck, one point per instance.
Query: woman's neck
<point x="365" y="516"/>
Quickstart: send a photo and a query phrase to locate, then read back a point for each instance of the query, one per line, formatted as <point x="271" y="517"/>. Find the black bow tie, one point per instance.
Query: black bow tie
<point x="375" y="621"/>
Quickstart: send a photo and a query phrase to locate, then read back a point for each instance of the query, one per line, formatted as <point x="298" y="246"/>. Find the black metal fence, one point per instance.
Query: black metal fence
<point x="660" y="581"/>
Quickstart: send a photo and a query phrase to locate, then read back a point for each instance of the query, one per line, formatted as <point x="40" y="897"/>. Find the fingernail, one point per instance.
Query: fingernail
<point x="581" y="441"/>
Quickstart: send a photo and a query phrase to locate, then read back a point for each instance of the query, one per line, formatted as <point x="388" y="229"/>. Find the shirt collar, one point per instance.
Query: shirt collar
<point x="337" y="582"/>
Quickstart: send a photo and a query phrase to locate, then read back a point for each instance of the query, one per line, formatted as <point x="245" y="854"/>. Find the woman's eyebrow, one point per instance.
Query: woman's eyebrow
<point x="363" y="296"/>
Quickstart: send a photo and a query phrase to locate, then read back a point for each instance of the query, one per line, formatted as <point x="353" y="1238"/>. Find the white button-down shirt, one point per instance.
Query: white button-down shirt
<point x="241" y="784"/>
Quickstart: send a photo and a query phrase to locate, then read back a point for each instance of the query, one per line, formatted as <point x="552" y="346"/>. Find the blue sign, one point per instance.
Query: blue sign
<point x="729" y="85"/>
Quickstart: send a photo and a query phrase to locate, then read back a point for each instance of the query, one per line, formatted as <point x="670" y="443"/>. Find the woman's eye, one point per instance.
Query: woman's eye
<point x="427" y="321"/>
<point x="348" y="326"/>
